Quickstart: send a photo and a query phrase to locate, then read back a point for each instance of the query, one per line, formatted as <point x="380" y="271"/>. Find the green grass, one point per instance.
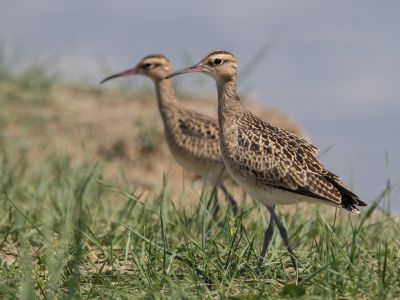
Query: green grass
<point x="68" y="232"/>
<point x="65" y="232"/>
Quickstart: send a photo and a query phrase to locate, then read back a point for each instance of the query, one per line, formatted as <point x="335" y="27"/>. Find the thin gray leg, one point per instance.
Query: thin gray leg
<point x="267" y="239"/>
<point x="284" y="235"/>
<point x="231" y="200"/>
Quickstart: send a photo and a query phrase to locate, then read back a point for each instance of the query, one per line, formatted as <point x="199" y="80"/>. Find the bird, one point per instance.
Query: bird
<point x="192" y="138"/>
<point x="271" y="164"/>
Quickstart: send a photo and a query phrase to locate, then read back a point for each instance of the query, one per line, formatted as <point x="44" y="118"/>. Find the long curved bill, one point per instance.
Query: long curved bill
<point x="120" y="74"/>
<point x="191" y="69"/>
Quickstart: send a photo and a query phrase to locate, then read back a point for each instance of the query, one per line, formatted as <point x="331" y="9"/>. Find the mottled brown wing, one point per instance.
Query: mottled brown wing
<point x="284" y="160"/>
<point x="201" y="132"/>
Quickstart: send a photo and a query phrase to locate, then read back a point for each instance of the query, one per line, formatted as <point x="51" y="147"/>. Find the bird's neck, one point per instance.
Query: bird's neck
<point x="165" y="96"/>
<point x="229" y="103"/>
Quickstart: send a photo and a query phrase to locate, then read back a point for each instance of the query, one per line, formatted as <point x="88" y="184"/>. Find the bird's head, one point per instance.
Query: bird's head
<point x="220" y="65"/>
<point x="155" y="67"/>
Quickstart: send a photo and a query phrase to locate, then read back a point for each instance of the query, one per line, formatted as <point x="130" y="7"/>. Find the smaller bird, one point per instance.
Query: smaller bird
<point x="271" y="164"/>
<point x="193" y="138"/>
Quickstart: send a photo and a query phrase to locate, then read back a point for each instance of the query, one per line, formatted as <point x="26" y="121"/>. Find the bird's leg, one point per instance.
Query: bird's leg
<point x="267" y="239"/>
<point x="284" y="235"/>
<point x="230" y="198"/>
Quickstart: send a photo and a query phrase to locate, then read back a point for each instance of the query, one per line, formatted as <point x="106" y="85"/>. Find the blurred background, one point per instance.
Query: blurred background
<point x="333" y="66"/>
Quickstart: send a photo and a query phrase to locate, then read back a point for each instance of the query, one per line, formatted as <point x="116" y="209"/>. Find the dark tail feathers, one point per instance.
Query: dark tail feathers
<point x="350" y="201"/>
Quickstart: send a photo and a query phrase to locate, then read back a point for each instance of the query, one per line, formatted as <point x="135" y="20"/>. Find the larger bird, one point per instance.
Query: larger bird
<point x="193" y="138"/>
<point x="269" y="163"/>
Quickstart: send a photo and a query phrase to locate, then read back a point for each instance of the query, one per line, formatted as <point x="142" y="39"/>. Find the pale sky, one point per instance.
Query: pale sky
<point x="334" y="66"/>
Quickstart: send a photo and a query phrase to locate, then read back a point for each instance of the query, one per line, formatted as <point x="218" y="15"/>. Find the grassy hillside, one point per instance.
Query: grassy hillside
<point x="93" y="205"/>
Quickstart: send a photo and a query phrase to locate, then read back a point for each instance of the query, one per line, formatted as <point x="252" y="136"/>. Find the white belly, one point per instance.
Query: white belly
<point x="207" y="169"/>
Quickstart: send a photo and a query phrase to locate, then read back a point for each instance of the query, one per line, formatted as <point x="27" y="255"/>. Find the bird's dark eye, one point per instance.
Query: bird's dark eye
<point x="217" y="61"/>
<point x="148" y="66"/>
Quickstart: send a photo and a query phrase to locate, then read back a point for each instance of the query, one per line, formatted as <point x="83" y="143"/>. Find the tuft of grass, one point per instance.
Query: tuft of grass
<point x="149" y="135"/>
<point x="31" y="86"/>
